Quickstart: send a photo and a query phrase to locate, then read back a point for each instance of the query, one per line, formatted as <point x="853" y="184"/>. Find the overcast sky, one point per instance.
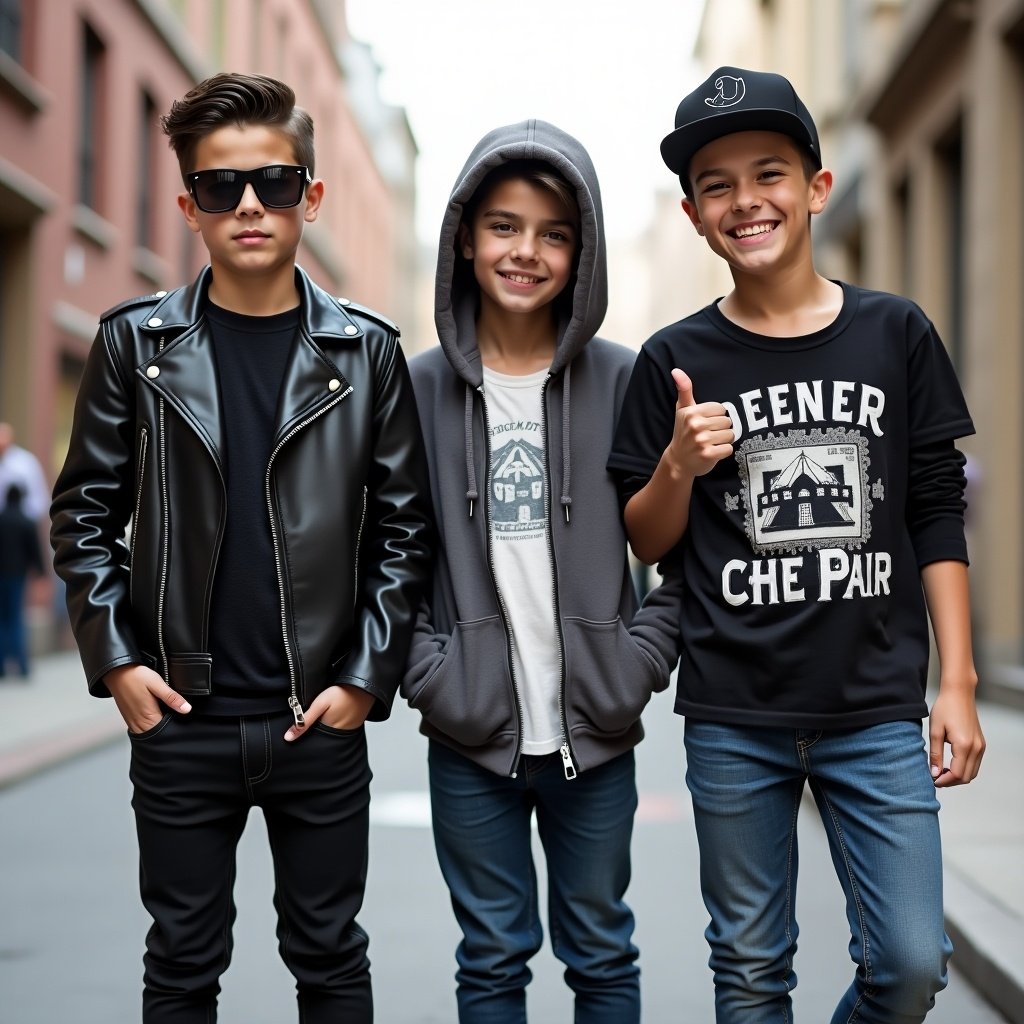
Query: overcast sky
<point x="609" y="72"/>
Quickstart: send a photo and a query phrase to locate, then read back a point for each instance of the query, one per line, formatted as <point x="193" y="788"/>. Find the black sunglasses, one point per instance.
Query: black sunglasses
<point x="277" y="186"/>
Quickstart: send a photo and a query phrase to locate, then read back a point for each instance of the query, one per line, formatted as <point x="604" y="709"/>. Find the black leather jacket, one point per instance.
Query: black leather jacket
<point x="346" y="492"/>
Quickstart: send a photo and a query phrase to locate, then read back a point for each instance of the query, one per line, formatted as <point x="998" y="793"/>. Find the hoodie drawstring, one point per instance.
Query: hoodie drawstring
<point x="566" y="498"/>
<point x="471" y="491"/>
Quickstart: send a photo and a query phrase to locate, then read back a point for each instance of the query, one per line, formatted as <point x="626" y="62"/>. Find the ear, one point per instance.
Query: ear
<point x="314" y="197"/>
<point x="465" y="240"/>
<point x="188" y="207"/>
<point x="819" y="188"/>
<point x="690" y="209"/>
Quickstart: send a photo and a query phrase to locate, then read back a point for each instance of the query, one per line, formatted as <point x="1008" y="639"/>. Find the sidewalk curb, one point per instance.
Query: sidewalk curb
<point x="989" y="944"/>
<point x="37" y="755"/>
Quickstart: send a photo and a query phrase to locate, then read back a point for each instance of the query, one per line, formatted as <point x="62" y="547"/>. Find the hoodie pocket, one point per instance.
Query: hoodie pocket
<point x="469" y="695"/>
<point x="608" y="678"/>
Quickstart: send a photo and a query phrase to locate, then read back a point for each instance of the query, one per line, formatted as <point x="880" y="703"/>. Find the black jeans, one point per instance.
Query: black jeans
<point x="195" y="780"/>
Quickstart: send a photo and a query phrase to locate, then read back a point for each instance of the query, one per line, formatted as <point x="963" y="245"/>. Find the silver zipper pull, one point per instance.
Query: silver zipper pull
<point x="570" y="768"/>
<point x="293" y="703"/>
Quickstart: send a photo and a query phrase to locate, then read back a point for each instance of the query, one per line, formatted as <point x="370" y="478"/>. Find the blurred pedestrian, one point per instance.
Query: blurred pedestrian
<point x="19" y="466"/>
<point x="20" y="554"/>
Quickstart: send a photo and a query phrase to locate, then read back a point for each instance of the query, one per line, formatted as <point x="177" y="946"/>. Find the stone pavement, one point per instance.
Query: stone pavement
<point x="50" y="718"/>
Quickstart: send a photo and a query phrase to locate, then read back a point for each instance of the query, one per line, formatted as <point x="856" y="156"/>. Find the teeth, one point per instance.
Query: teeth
<point x="753" y="229"/>
<point x="521" y="278"/>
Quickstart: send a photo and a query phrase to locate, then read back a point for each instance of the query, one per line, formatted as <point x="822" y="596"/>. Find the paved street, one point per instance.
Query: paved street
<point x="71" y="930"/>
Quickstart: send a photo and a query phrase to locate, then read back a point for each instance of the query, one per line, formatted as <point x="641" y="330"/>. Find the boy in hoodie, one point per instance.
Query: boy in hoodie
<point x="260" y="436"/>
<point x="530" y="664"/>
<point x="793" y="445"/>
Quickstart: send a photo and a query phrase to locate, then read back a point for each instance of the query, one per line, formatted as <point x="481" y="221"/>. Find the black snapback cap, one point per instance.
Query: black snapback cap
<point x="736" y="100"/>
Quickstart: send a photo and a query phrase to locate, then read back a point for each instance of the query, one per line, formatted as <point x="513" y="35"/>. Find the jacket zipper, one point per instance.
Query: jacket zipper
<point x="565" y="750"/>
<point x="509" y="639"/>
<point x="166" y="525"/>
<point x="293" y="701"/>
<point x="359" y="544"/>
<point x="143" y="446"/>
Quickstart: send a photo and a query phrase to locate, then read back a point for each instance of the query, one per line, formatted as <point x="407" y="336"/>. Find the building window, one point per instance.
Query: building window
<point x="10" y="28"/>
<point x="951" y="159"/>
<point x="145" y="169"/>
<point x="256" y="38"/>
<point x="901" y="237"/>
<point x="217" y="26"/>
<point x="69" y="378"/>
<point x="89" y="118"/>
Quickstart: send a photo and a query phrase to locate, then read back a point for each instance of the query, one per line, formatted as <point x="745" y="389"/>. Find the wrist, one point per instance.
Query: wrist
<point x="961" y="680"/>
<point x="674" y="469"/>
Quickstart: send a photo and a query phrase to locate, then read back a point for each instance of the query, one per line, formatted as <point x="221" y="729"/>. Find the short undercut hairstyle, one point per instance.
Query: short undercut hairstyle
<point x="231" y="99"/>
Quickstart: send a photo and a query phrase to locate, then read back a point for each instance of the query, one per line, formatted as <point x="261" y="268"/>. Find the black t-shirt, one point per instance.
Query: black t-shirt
<point x="250" y="666"/>
<point x="803" y="604"/>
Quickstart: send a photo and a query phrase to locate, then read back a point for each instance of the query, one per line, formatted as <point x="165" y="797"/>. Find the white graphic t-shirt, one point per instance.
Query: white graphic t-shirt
<point x="522" y="561"/>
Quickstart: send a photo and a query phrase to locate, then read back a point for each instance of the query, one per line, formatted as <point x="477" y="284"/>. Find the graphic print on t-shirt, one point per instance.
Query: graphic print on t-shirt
<point x="806" y="490"/>
<point x="517" y="488"/>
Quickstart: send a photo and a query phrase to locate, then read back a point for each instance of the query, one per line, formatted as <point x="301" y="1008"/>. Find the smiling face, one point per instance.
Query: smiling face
<point x="251" y="243"/>
<point x="522" y="241"/>
<point x="752" y="200"/>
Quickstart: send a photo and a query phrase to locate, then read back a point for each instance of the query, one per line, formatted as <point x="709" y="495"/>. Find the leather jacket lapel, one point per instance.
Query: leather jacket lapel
<point x="311" y="383"/>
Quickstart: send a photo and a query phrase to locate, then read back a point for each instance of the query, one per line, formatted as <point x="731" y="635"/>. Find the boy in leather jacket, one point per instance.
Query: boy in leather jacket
<point x="260" y="437"/>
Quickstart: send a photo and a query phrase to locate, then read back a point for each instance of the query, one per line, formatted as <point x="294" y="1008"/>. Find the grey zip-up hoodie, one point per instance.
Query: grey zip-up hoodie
<point x="613" y="657"/>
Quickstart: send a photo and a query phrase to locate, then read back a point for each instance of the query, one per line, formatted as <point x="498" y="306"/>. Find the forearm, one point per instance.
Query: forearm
<point x="656" y="516"/>
<point x="953" y="720"/>
<point x="947" y="593"/>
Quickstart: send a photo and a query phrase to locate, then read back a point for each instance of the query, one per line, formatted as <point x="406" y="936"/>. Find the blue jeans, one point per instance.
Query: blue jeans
<point x="13" y="639"/>
<point x="877" y="802"/>
<point x="482" y="837"/>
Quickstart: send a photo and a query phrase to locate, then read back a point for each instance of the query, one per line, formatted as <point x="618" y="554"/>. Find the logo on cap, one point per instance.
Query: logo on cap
<point x="730" y="92"/>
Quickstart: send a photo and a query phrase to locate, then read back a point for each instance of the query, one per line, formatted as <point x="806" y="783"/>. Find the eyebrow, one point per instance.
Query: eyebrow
<point x="761" y="162"/>
<point x="508" y="215"/>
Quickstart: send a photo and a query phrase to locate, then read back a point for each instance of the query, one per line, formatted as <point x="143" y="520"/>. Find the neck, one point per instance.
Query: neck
<point x="261" y="295"/>
<point x="516" y="344"/>
<point x="783" y="305"/>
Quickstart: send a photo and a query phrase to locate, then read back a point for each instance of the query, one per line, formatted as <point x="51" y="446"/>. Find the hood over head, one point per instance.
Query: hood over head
<point x="455" y="298"/>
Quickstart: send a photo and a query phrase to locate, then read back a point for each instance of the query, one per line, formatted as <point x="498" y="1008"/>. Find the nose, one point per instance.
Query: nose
<point x="526" y="247"/>
<point x="745" y="196"/>
<point x="250" y="202"/>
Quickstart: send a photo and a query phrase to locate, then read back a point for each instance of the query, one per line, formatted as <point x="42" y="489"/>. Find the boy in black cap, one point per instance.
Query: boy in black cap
<point x="814" y="497"/>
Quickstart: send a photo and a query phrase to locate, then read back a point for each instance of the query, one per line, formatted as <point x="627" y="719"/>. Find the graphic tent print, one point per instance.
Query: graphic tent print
<point x="805" y="495"/>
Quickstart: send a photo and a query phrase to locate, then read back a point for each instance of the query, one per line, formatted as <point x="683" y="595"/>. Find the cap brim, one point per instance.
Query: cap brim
<point x="678" y="148"/>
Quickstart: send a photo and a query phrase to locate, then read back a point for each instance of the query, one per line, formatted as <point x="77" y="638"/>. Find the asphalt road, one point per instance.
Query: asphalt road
<point x="71" y="929"/>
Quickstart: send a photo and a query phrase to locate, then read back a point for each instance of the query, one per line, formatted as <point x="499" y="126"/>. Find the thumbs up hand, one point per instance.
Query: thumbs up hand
<point x="702" y="435"/>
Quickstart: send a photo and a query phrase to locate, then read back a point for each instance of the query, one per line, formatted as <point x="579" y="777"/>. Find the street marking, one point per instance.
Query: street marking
<point x="411" y="809"/>
<point x="401" y="809"/>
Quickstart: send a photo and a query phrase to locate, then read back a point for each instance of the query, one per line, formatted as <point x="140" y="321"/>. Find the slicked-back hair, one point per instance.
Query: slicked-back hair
<point x="232" y="99"/>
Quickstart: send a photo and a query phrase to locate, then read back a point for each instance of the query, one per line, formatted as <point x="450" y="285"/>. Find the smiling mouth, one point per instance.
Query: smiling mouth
<point x="753" y="230"/>
<point x="520" y="278"/>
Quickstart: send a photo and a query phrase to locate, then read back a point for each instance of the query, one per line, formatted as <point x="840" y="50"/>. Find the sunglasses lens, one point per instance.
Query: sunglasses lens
<point x="277" y="186"/>
<point x="218" y="191"/>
